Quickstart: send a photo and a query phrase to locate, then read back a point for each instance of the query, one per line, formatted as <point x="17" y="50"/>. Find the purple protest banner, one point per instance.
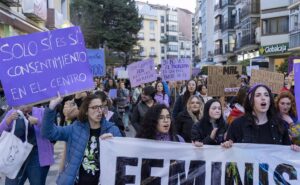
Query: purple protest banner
<point x="176" y="69"/>
<point x="297" y="85"/>
<point x="291" y="63"/>
<point x="35" y="67"/>
<point x="142" y="72"/>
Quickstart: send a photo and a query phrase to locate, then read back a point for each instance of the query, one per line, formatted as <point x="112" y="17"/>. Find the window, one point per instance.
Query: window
<point x="142" y="24"/>
<point x="152" y="36"/>
<point x="173" y="48"/>
<point x="162" y="29"/>
<point x="162" y="49"/>
<point x="152" y="26"/>
<point x="141" y="35"/>
<point x="162" y="19"/>
<point x="152" y="52"/>
<point x="172" y="38"/>
<point x="172" y="28"/>
<point x="172" y="18"/>
<point x="275" y="25"/>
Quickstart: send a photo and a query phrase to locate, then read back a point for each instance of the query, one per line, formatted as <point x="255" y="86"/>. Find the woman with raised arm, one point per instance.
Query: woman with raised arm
<point x="82" y="165"/>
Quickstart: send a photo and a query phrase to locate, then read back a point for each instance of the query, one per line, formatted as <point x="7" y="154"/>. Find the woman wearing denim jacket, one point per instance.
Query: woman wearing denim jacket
<point x="82" y="165"/>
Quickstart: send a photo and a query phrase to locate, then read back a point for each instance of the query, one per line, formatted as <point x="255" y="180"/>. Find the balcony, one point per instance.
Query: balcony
<point x="218" y="51"/>
<point x="294" y="40"/>
<point x="35" y="10"/>
<point x="12" y="3"/>
<point x="152" y="39"/>
<point x="247" y="10"/>
<point x="228" y="25"/>
<point x="152" y="55"/>
<point x="54" y="19"/>
<point x="142" y="54"/>
<point x="248" y="40"/>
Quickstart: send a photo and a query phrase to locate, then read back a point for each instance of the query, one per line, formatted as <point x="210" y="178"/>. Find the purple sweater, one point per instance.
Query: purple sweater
<point x="45" y="147"/>
<point x="162" y="99"/>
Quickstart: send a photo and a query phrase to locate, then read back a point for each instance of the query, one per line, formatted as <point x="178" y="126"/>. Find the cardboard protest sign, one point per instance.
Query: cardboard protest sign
<point x="176" y="69"/>
<point x="37" y="66"/>
<point x="271" y="79"/>
<point x="141" y="161"/>
<point x="96" y="60"/>
<point x="297" y="85"/>
<point x="224" y="80"/>
<point x="142" y="72"/>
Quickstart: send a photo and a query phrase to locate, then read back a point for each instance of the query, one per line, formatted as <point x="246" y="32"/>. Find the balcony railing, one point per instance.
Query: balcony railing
<point x="228" y="25"/>
<point x="295" y="40"/>
<point x="12" y="3"/>
<point x="248" y="40"/>
<point x="218" y="51"/>
<point x="249" y="9"/>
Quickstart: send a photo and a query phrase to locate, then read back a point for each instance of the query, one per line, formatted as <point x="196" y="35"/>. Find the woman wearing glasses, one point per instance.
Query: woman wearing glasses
<point x="157" y="125"/>
<point x="82" y="165"/>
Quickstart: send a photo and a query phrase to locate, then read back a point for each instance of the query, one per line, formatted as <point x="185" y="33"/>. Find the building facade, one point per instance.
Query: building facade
<point x="275" y="32"/>
<point x="166" y="32"/>
<point x="27" y="16"/>
<point x="294" y="26"/>
<point x="197" y="34"/>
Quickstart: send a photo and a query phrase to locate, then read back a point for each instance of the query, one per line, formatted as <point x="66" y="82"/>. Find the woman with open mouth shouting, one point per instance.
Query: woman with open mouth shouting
<point x="261" y="124"/>
<point x="157" y="125"/>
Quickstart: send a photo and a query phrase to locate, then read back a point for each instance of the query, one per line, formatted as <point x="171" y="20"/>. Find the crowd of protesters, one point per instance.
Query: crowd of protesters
<point x="179" y="111"/>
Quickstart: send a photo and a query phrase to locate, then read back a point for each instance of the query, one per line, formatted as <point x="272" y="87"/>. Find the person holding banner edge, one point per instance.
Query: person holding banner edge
<point x="82" y="165"/>
<point x="260" y="124"/>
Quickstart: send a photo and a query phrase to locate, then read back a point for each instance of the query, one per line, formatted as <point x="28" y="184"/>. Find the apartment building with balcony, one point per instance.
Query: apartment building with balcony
<point x="197" y="36"/>
<point x="27" y="16"/>
<point x="185" y="27"/>
<point x="247" y="28"/>
<point x="149" y="37"/>
<point x="274" y="32"/>
<point x="294" y="26"/>
<point x="224" y="32"/>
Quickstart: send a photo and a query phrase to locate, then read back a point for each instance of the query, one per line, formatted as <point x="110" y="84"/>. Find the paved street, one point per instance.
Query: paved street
<point x="58" y="149"/>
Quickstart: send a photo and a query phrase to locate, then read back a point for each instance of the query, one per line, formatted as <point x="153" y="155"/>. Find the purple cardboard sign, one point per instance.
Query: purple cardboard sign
<point x="142" y="72"/>
<point x="297" y="85"/>
<point x="35" y="67"/>
<point x="112" y="93"/>
<point x="176" y="69"/>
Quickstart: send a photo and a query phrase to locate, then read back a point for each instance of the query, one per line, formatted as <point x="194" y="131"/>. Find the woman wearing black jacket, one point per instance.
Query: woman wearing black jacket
<point x="261" y="123"/>
<point x="211" y="128"/>
<point x="186" y="119"/>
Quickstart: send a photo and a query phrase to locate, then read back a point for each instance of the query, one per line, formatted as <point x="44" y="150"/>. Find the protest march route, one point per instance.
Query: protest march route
<point x="38" y="66"/>
<point x="136" y="161"/>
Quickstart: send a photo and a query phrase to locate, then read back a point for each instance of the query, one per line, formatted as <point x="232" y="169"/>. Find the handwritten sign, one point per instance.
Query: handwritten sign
<point x="112" y="93"/>
<point x="224" y="80"/>
<point x="271" y="79"/>
<point x="176" y="69"/>
<point x="35" y="67"/>
<point x="97" y="61"/>
<point x="142" y="72"/>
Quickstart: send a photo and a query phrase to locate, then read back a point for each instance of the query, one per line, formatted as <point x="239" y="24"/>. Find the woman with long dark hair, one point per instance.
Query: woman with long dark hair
<point x="160" y="96"/>
<point x="261" y="124"/>
<point x="211" y="128"/>
<point x="157" y="125"/>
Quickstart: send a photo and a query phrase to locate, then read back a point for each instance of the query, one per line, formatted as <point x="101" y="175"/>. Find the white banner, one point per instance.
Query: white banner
<point x="135" y="161"/>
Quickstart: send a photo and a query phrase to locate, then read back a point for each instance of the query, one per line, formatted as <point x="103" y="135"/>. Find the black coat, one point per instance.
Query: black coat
<point x="242" y="131"/>
<point x="201" y="132"/>
<point x="183" y="125"/>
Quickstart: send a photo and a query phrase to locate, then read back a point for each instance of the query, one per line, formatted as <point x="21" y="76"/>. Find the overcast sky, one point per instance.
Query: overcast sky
<point x="186" y="4"/>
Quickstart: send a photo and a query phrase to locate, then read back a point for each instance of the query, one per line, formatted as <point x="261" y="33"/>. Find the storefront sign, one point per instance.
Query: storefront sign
<point x="274" y="49"/>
